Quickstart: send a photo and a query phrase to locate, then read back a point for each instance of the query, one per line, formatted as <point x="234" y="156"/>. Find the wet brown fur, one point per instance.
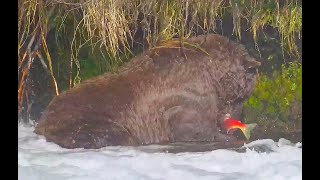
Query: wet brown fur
<point x="168" y="94"/>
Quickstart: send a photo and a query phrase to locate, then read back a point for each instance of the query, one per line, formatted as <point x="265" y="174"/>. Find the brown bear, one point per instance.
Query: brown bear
<point x="177" y="91"/>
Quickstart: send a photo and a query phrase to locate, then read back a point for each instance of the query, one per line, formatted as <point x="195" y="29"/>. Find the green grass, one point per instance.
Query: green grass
<point x="277" y="100"/>
<point x="114" y="29"/>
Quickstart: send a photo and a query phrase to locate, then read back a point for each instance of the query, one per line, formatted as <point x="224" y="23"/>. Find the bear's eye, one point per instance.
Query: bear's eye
<point x="251" y="70"/>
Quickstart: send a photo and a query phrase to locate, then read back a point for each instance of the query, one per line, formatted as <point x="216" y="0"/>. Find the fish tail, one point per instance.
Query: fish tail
<point x="248" y="130"/>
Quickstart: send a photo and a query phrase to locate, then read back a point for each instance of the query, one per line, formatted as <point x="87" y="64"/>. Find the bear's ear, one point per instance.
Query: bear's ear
<point x="250" y="64"/>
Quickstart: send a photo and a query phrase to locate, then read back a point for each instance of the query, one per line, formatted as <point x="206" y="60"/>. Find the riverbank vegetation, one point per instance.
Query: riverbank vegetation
<point x="63" y="42"/>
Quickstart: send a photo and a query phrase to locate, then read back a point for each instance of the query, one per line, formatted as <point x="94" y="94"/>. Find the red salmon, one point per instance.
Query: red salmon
<point x="232" y="124"/>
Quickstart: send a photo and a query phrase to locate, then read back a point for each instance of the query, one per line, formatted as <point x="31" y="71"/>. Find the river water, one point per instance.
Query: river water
<point x="260" y="159"/>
